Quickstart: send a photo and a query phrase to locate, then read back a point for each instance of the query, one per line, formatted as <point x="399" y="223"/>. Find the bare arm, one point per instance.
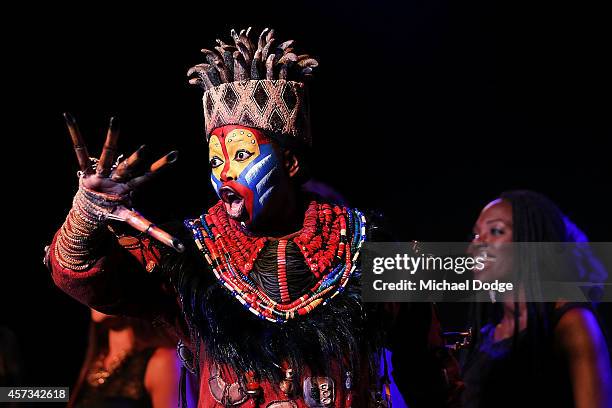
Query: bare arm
<point x="581" y="341"/>
<point x="162" y="378"/>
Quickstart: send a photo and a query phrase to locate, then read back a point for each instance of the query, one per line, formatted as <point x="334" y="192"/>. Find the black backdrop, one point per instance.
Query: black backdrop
<point x="423" y="109"/>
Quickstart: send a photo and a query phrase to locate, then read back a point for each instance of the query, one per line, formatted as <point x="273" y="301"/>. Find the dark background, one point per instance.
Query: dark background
<point x="426" y="110"/>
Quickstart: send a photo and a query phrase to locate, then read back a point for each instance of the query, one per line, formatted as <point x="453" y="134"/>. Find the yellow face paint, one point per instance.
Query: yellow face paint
<point x="230" y="154"/>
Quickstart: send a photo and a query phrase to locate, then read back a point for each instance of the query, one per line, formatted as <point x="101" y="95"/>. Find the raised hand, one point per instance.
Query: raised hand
<point x="117" y="182"/>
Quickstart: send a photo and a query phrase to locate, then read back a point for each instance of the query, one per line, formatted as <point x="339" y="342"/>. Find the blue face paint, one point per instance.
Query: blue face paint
<point x="260" y="177"/>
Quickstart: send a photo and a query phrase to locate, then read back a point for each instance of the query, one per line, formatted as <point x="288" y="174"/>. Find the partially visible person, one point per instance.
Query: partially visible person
<point x="128" y="363"/>
<point x="532" y="354"/>
<point x="11" y="366"/>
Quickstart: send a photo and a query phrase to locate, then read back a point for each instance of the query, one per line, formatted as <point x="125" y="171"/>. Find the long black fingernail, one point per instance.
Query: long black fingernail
<point x="172" y="156"/>
<point x="178" y="245"/>
<point x="69" y="118"/>
<point x="114" y="123"/>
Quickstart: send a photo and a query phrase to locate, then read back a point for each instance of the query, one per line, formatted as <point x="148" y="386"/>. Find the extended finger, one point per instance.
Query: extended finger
<point x="154" y="169"/>
<point x="77" y="141"/>
<point x="127" y="166"/>
<point x="109" y="151"/>
<point x="164" y="161"/>
<point x="140" y="223"/>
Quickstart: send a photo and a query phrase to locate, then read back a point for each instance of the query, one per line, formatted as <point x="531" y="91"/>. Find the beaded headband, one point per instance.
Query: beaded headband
<point x="259" y="85"/>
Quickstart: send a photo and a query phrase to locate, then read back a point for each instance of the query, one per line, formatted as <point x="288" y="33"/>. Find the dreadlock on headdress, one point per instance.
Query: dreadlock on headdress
<point x="245" y="60"/>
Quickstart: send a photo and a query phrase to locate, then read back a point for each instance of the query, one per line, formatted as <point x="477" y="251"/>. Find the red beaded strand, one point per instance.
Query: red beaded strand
<point x="282" y="270"/>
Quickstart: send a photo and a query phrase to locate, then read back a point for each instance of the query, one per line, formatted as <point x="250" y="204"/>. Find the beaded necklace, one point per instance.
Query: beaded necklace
<point x="330" y="241"/>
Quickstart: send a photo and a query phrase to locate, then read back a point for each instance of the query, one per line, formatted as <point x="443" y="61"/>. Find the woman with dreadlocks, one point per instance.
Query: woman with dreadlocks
<point x="264" y="286"/>
<point x="528" y="353"/>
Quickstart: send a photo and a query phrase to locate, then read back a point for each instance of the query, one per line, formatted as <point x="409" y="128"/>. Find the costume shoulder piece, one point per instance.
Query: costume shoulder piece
<point x="320" y="259"/>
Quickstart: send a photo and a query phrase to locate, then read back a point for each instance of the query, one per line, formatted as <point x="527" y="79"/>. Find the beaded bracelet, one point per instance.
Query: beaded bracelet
<point x="79" y="231"/>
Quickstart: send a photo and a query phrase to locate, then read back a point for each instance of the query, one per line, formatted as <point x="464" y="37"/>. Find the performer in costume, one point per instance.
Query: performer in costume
<point x="263" y="287"/>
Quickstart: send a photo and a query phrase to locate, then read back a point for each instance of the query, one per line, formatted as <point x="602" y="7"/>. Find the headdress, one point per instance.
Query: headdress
<point x="259" y="85"/>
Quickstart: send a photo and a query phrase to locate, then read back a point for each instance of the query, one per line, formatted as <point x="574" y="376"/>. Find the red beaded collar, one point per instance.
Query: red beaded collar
<point x="330" y="241"/>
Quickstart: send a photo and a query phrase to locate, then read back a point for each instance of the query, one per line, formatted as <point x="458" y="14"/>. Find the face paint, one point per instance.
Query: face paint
<point x="244" y="169"/>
